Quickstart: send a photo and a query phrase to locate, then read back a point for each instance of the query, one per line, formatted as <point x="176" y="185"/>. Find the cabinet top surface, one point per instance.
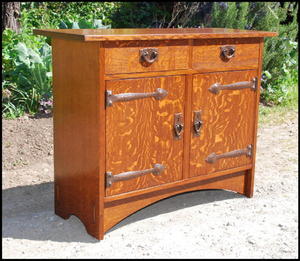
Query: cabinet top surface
<point x="150" y="33"/>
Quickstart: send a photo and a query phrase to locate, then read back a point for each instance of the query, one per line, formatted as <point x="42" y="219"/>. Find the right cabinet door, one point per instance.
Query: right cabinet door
<point x="224" y="110"/>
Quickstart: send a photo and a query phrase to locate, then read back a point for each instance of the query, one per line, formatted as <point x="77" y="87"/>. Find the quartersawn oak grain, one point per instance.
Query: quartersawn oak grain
<point x="90" y="139"/>
<point x="117" y="210"/>
<point x="125" y="58"/>
<point x="207" y="54"/>
<point x="76" y="125"/>
<point x="251" y="172"/>
<point x="227" y="121"/>
<point x="142" y="132"/>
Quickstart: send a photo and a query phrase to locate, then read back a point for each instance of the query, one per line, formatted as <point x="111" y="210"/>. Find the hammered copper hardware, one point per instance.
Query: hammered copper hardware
<point x="91" y="139"/>
<point x="110" y="178"/>
<point x="197" y="123"/>
<point x="215" y="88"/>
<point x="159" y="94"/>
<point x="149" y="55"/>
<point x="212" y="158"/>
<point x="228" y="51"/>
<point x="178" y="125"/>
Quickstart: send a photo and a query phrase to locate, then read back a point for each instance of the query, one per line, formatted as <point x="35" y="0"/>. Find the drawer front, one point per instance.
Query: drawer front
<point x="128" y="57"/>
<point x="140" y="133"/>
<point x="227" y="117"/>
<point x="225" y="54"/>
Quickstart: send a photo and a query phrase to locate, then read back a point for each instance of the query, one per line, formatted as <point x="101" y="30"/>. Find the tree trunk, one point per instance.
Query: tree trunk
<point x="10" y="13"/>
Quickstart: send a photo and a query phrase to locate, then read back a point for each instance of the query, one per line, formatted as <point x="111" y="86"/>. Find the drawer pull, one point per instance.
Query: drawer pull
<point x="149" y="55"/>
<point x="159" y="94"/>
<point x="215" y="88"/>
<point x="197" y="122"/>
<point x="212" y="158"/>
<point x="178" y="125"/>
<point x="110" y="178"/>
<point x="228" y="51"/>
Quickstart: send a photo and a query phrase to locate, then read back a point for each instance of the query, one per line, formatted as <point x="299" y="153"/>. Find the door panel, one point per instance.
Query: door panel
<point x="227" y="121"/>
<point x="140" y="133"/>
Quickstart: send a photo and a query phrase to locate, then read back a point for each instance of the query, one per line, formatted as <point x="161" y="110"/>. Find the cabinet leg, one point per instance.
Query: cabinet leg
<point x="62" y="213"/>
<point x="249" y="186"/>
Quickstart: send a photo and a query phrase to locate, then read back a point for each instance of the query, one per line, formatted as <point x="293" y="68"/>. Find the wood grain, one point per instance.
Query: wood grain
<point x="251" y="172"/>
<point x="101" y="139"/>
<point x="90" y="139"/>
<point x="126" y="59"/>
<point x="76" y="84"/>
<point x="152" y="191"/>
<point x="227" y="121"/>
<point x="207" y="55"/>
<point x="116" y="211"/>
<point x="150" y="33"/>
<point x="140" y="133"/>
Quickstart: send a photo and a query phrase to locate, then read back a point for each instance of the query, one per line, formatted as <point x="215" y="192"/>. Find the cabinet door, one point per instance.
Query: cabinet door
<point x="140" y="133"/>
<point x="227" y="116"/>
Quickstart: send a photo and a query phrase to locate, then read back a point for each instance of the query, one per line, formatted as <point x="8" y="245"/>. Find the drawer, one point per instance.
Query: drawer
<point x="225" y="54"/>
<point x="127" y="57"/>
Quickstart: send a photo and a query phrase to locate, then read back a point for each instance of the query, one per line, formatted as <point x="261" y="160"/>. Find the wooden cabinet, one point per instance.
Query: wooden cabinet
<point x="145" y="114"/>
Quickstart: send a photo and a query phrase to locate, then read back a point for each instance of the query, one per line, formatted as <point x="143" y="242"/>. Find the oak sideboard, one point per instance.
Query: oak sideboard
<point x="145" y="114"/>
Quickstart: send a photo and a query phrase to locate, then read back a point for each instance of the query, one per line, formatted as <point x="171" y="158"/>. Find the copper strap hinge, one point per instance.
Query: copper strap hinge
<point x="110" y="178"/>
<point x="215" y="88"/>
<point x="111" y="98"/>
<point x="213" y="157"/>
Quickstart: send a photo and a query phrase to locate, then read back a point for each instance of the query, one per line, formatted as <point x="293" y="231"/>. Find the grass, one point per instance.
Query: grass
<point x="277" y="114"/>
<point x="281" y="113"/>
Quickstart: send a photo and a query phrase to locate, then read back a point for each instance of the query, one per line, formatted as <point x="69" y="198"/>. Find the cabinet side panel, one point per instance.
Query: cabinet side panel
<point x="76" y="123"/>
<point x="250" y="176"/>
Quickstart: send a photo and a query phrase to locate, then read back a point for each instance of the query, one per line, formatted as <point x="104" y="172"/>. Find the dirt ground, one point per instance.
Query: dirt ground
<point x="201" y="224"/>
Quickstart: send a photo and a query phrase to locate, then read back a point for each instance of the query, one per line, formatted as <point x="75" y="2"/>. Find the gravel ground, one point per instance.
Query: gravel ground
<point x="201" y="224"/>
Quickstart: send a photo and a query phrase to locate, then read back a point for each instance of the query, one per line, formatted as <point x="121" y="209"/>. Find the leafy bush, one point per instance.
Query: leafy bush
<point x="30" y="81"/>
<point x="26" y="58"/>
<point x="50" y="14"/>
<point x="280" y="64"/>
<point x="26" y="66"/>
<point x="83" y="24"/>
<point x="141" y="14"/>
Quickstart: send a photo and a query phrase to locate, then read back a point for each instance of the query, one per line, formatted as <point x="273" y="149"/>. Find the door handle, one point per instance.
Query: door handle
<point x="178" y="125"/>
<point x="197" y="122"/>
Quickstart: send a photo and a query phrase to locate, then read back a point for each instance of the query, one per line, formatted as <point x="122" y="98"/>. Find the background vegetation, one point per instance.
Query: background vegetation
<point x="26" y="58"/>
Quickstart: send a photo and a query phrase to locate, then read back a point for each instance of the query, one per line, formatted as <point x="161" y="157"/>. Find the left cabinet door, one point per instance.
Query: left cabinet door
<point x="142" y="147"/>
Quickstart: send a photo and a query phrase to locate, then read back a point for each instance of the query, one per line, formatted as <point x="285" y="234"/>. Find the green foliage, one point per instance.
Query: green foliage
<point x="83" y="24"/>
<point x="280" y="63"/>
<point x="141" y="14"/>
<point x="50" y="14"/>
<point x="29" y="81"/>
<point x="241" y="18"/>
<point x="26" y="58"/>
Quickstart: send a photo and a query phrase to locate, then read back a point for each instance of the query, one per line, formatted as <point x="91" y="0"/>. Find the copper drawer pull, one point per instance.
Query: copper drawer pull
<point x="178" y="125"/>
<point x="110" y="178"/>
<point x="159" y="94"/>
<point x="215" y="88"/>
<point x="149" y="55"/>
<point x="212" y="158"/>
<point x="197" y="122"/>
<point x="228" y="51"/>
